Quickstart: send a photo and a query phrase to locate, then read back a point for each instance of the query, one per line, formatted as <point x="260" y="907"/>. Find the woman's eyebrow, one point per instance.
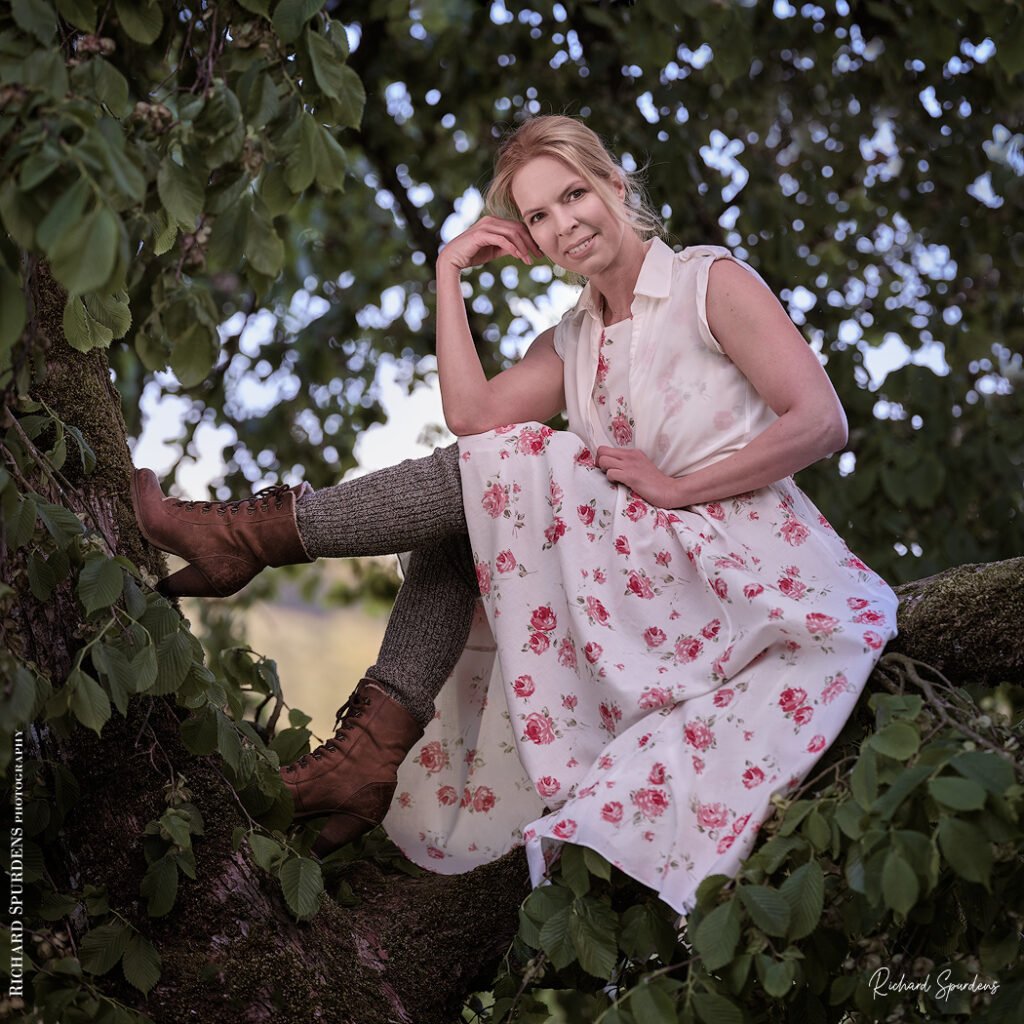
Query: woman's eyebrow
<point x="571" y="187"/>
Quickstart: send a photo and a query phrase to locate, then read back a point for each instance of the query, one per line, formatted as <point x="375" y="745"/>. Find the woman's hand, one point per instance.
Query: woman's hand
<point x="488" y="239"/>
<point x="631" y="467"/>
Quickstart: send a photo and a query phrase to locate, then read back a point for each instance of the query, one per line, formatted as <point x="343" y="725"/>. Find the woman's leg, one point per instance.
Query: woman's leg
<point x="352" y="777"/>
<point x="226" y="544"/>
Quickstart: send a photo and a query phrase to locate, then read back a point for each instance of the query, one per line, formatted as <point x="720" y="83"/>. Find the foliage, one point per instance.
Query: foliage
<point x="891" y="890"/>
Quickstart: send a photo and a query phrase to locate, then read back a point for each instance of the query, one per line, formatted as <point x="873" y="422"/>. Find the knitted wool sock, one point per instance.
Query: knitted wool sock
<point x="397" y="509"/>
<point x="429" y="624"/>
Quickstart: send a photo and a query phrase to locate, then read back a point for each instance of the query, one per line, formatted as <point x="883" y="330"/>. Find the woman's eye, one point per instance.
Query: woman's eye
<point x="536" y="217"/>
<point x="576" y="193"/>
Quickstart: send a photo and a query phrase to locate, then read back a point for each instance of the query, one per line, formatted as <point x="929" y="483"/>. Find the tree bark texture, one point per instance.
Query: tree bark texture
<point x="411" y="949"/>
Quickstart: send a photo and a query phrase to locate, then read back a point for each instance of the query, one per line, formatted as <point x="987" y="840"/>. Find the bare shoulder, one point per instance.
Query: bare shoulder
<point x="736" y="297"/>
<point x="543" y="344"/>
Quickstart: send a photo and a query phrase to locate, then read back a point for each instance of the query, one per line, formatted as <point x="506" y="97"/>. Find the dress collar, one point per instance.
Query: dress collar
<point x="654" y="280"/>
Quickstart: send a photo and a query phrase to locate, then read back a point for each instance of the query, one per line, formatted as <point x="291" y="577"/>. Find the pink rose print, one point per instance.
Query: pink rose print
<point x="870" y="617"/>
<point x="655" y="697"/>
<point x="855" y="563"/>
<point x="792" y="698"/>
<point x="467" y="798"/>
<point x="610" y="714"/>
<point x="819" y="624"/>
<point x="543" y="618"/>
<point x="570" y="701"/>
<point x="794" y="532"/>
<point x="505" y="562"/>
<point x="740" y="824"/>
<point x="688" y="648"/>
<point x="792" y="588"/>
<point x="712" y="815"/>
<point x="622" y="545"/>
<point x="447" y="796"/>
<point x="651" y="803"/>
<point x="538" y="729"/>
<point x="792" y="646"/>
<point x="720" y="587"/>
<point x="698" y="735"/>
<point x="539" y="642"/>
<point x="597" y="611"/>
<point x="548" y="786"/>
<point x="803" y="715"/>
<point x="567" y="653"/>
<point x="483" y="577"/>
<point x="599" y="576"/>
<point x="404" y="799"/>
<point x="636" y="510"/>
<point x="555" y="530"/>
<point x="638" y="584"/>
<point x="433" y="757"/>
<point x="698" y="764"/>
<point x="530" y="442"/>
<point x="718" y="667"/>
<point x="751" y="590"/>
<point x="494" y="500"/>
<point x="612" y="812"/>
<point x="873" y="640"/>
<point x="622" y="431"/>
<point x="586" y="514"/>
<point x="556" y="493"/>
<point x="856" y="603"/>
<point x="711" y="630"/>
<point x="605" y="762"/>
<point x="753" y="777"/>
<point x="838" y="685"/>
<point x="663" y="558"/>
<point x="483" y="799"/>
<point x="724" y="843"/>
<point x="817" y="744"/>
<point x="433" y="851"/>
<point x="715" y="510"/>
<point x="523" y="686"/>
<point x="657" y="776"/>
<point x="506" y="429"/>
<point x="654" y="637"/>
<point x="592" y="652"/>
<point x="585" y="458"/>
<point x="565" y="829"/>
<point x="722" y="697"/>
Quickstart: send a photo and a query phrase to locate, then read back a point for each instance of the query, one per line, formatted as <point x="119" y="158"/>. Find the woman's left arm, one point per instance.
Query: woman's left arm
<point x="757" y="335"/>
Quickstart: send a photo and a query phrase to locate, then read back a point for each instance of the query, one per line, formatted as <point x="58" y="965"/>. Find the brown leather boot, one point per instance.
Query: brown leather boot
<point x="353" y="776"/>
<point x="226" y="542"/>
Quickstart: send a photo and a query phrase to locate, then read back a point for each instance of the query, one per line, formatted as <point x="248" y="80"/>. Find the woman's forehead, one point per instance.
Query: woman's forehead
<point x="542" y="180"/>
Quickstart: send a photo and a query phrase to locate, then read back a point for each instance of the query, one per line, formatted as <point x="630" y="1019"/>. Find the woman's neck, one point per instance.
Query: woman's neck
<point x="613" y="288"/>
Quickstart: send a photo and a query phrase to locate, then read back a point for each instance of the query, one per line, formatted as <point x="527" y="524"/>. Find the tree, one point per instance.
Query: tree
<point x="167" y="167"/>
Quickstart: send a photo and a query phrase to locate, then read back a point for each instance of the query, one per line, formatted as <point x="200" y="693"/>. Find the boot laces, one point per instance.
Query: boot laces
<point x="261" y="498"/>
<point x="344" y="721"/>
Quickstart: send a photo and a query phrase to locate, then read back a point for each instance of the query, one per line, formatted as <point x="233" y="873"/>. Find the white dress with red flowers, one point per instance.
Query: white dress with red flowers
<point x="658" y="674"/>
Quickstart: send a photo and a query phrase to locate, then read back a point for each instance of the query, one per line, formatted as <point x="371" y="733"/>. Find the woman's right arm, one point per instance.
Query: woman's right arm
<point x="533" y="388"/>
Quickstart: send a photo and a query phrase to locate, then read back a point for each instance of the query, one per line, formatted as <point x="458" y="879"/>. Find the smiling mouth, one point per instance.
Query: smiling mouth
<point x="583" y="246"/>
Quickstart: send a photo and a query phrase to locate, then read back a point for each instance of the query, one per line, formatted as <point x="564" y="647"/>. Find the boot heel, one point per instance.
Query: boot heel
<point x="187" y="582"/>
<point x="339" y="830"/>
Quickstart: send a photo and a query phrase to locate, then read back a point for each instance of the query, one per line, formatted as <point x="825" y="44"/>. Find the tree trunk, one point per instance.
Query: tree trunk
<point x="410" y="949"/>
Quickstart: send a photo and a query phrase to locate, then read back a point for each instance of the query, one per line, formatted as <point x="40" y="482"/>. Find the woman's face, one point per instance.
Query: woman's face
<point x="568" y="220"/>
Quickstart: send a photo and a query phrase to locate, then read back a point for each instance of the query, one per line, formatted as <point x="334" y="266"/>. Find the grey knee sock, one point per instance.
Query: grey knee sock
<point x="428" y="626"/>
<point x="400" y="508"/>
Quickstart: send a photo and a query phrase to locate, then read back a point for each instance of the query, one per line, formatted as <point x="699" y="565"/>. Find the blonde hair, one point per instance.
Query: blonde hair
<point x="572" y="142"/>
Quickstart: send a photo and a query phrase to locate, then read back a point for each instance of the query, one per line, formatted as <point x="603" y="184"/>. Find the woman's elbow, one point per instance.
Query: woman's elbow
<point x="835" y="432"/>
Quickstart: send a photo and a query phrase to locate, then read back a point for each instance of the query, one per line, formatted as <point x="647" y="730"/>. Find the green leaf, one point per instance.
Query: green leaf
<point x="100" y="583"/>
<point x="42" y="577"/>
<point x="82" y="331"/>
<point x="182" y="192"/>
<point x="228" y="743"/>
<point x="45" y="70"/>
<point x="652" y="1002"/>
<point x="102" y="947"/>
<point x="299" y="147"/>
<point x="302" y="882"/>
<point x="194" y="354"/>
<point x="898" y="739"/>
<point x="266" y="852"/>
<point x="89" y="703"/>
<point x="899" y="883"/>
<point x="767" y="907"/>
<point x="290" y="16"/>
<point x="592" y="926"/>
<point x="199" y="733"/>
<point x="717" y="935"/>
<point x="112" y="311"/>
<point x="804" y="893"/>
<point x="98" y="77"/>
<point x="776" y="975"/>
<point x="113" y="666"/>
<point x="141" y="963"/>
<point x="960" y="794"/>
<point x="144" y="668"/>
<point x="80" y="13"/>
<point x="61" y="523"/>
<point x="173" y="658"/>
<point x="906" y="782"/>
<point x="985" y="768"/>
<point x="331" y="162"/>
<point x="227" y="237"/>
<point x="715" y="1009"/>
<point x="160" y="886"/>
<point x="966" y="850"/>
<point x="141" y="21"/>
<point x="556" y="941"/>
<point x="348" y="108"/>
<point x="326" y="62"/>
<point x="13" y="313"/>
<point x="84" y="257"/>
<point x="596" y="864"/>
<point x="263" y="246"/>
<point x="574" y="869"/>
<point x="36" y="17"/>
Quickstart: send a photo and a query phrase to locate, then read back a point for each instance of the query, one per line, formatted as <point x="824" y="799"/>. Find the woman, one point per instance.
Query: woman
<point x="679" y="632"/>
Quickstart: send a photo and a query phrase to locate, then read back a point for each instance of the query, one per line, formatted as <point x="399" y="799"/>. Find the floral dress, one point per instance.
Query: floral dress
<point x="641" y="680"/>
